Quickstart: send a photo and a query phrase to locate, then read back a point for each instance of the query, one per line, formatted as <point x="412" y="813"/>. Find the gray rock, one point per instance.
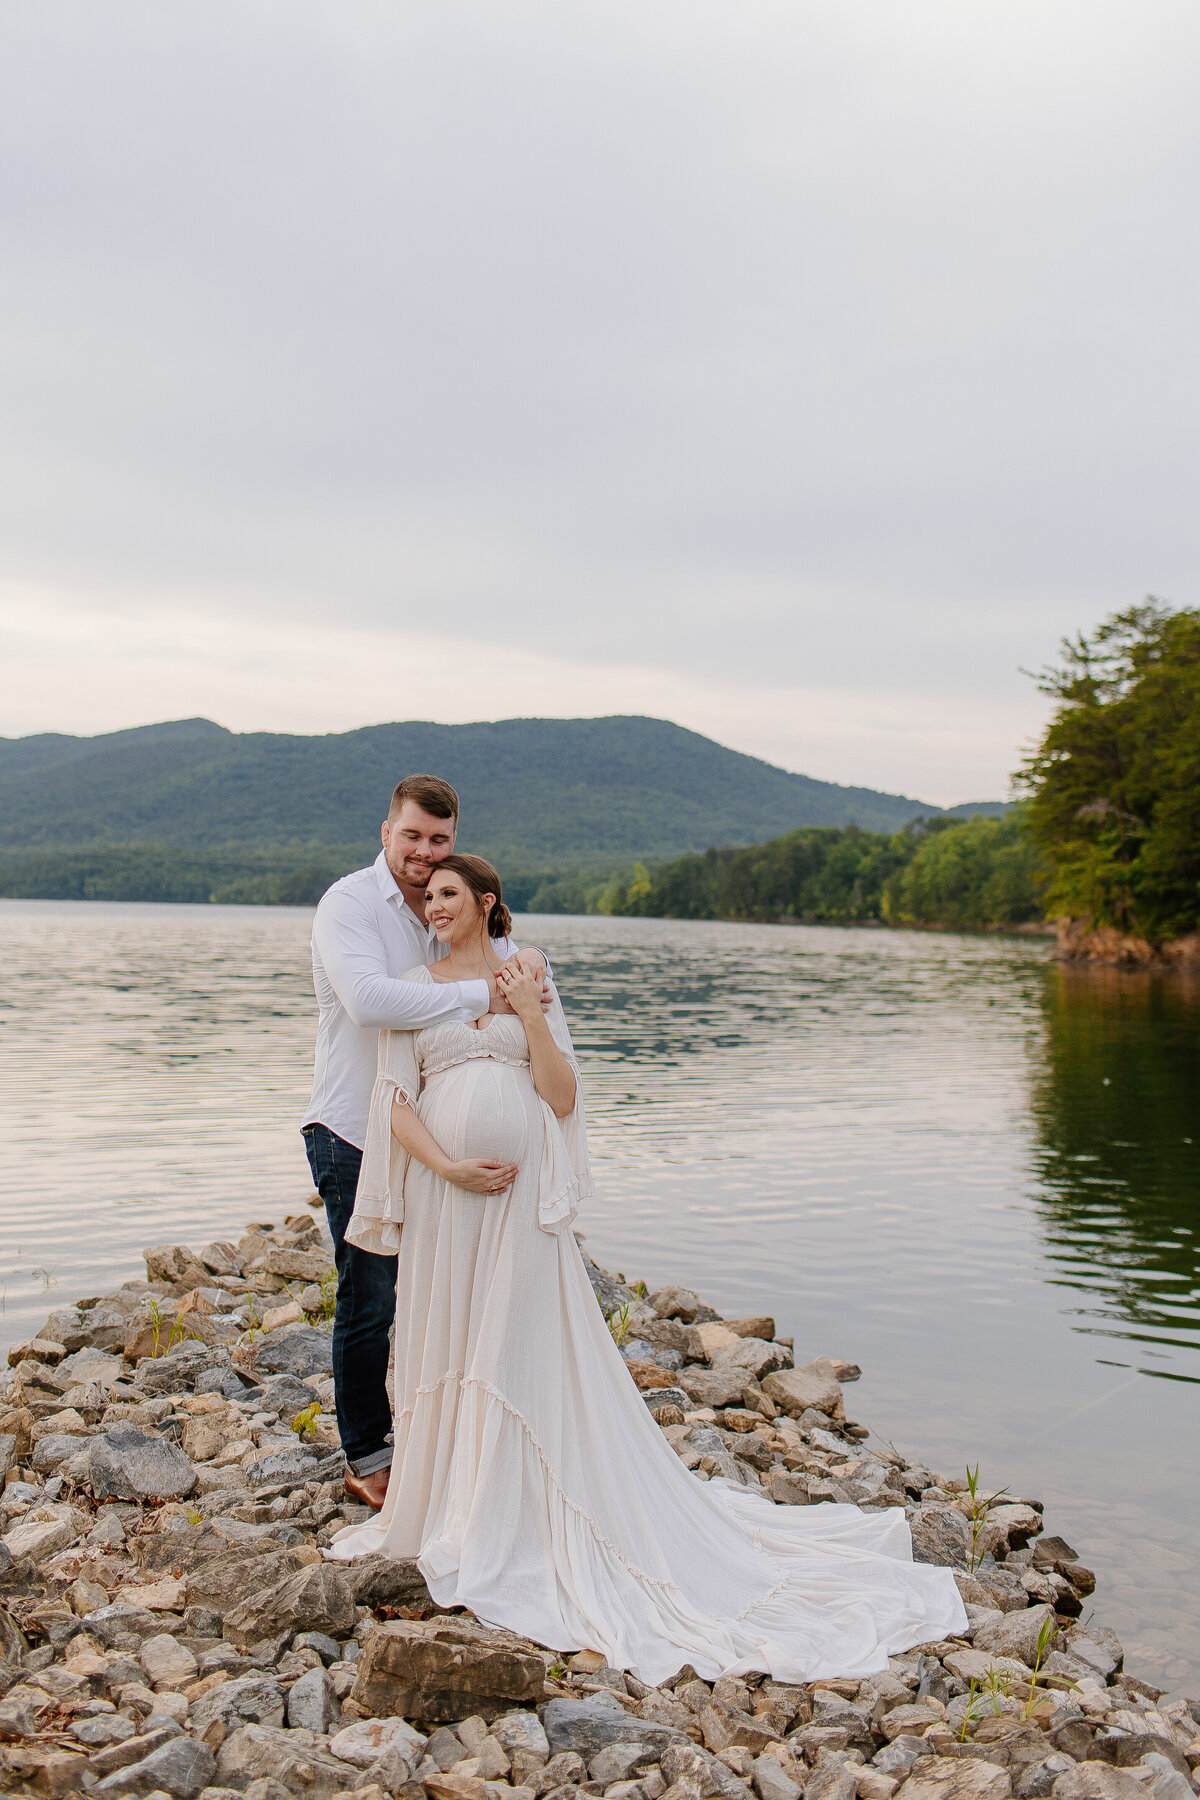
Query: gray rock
<point x="1015" y="1634"/>
<point x="702" y="1772"/>
<point x="223" y="1582"/>
<point x="587" y="1726"/>
<point x="126" y="1463"/>
<point x="898" y="1757"/>
<point x="757" y="1357"/>
<point x="295" y="1759"/>
<point x="831" y="1780"/>
<point x="712" y="1387"/>
<point x="667" y="1396"/>
<point x="180" y="1369"/>
<point x="940" y="1534"/>
<point x="180" y="1767"/>
<point x="1097" y="1646"/>
<point x="770" y="1781"/>
<point x="522" y="1731"/>
<point x="1037" y="1779"/>
<point x="298" y="1350"/>
<point x="8" y="1453"/>
<point x="105" y="1728"/>
<point x="640" y="1349"/>
<point x="111" y="1623"/>
<point x="287" y="1396"/>
<point x="133" y="1749"/>
<point x="58" y="1448"/>
<point x="617" y="1762"/>
<point x="1098" y="1781"/>
<point x="313" y="1599"/>
<point x="221" y="1381"/>
<point x="312" y="1703"/>
<point x="255" y="1699"/>
<point x="326" y="1648"/>
<point x="290" y="1466"/>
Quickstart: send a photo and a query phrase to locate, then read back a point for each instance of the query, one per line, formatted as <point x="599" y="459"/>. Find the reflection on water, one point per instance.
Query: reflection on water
<point x="1118" y="1111"/>
<point x="940" y="1157"/>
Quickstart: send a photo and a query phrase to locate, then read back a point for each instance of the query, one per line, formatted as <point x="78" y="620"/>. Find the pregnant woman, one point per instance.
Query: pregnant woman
<point x="528" y="1477"/>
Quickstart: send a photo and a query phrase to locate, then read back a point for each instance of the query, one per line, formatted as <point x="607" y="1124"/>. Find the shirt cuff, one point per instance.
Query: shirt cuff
<point x="476" y="995"/>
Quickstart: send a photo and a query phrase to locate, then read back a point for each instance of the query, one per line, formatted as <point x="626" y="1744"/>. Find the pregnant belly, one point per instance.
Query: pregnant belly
<point x="483" y="1109"/>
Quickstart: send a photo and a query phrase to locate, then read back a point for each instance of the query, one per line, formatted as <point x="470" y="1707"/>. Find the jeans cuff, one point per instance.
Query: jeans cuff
<point x="367" y="1465"/>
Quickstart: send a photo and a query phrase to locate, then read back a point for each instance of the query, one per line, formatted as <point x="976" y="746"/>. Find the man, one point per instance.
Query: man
<point x="368" y="932"/>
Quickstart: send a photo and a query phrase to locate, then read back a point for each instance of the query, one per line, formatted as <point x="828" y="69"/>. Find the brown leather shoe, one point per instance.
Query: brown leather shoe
<point x="369" y="1490"/>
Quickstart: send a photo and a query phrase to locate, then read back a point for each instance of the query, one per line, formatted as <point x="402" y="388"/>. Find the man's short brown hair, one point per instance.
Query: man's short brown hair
<point x="431" y="793"/>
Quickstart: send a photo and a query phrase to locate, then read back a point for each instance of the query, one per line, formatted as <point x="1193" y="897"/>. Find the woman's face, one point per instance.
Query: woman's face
<point x="452" y="909"/>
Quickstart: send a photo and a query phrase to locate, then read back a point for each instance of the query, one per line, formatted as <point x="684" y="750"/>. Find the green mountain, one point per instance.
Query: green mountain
<point x="543" y="792"/>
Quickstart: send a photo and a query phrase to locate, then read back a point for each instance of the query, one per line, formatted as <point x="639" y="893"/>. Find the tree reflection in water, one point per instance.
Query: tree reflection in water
<point x="1117" y="1107"/>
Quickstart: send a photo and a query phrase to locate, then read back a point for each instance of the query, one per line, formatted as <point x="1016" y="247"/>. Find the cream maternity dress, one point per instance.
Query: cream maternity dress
<point x="528" y="1478"/>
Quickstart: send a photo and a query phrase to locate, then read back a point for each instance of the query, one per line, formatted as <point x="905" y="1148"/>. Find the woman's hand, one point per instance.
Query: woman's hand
<point x="479" y="1176"/>
<point x="521" y="987"/>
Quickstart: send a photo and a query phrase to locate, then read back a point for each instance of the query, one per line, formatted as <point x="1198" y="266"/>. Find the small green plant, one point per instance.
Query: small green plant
<point x="46" y="1276"/>
<point x="621" y="1325"/>
<point x="641" y="1290"/>
<point x="305" y="1423"/>
<point x="1045" y="1638"/>
<point x="977" y="1516"/>
<point x="557" y="1671"/>
<point x="193" y="1517"/>
<point x="329" y="1297"/>
<point x="253" y="1322"/>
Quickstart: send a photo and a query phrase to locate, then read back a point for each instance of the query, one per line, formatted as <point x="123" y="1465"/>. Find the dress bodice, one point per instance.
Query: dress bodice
<point x="453" y="1041"/>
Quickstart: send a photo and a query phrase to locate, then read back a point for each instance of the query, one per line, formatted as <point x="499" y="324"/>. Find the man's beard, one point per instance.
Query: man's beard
<point x="412" y="874"/>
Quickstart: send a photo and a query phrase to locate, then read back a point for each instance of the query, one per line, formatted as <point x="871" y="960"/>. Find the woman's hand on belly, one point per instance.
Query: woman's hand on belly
<point x="479" y="1176"/>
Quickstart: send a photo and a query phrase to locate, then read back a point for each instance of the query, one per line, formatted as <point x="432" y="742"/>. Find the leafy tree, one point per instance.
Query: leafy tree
<point x="969" y="876"/>
<point x="1114" y="794"/>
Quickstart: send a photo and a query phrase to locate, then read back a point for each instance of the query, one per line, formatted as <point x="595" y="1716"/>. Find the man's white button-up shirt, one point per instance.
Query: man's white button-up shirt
<point x="365" y="937"/>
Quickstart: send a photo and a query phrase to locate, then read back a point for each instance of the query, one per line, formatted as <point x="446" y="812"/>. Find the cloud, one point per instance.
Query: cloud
<point x="797" y="367"/>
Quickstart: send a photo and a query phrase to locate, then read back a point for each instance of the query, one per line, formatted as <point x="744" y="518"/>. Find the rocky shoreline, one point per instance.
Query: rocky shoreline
<point x="169" y="1627"/>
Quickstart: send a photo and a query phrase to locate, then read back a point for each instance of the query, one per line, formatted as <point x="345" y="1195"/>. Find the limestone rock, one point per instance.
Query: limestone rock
<point x="587" y="1726"/>
<point x="224" y="1579"/>
<point x="256" y="1699"/>
<point x="127" y="1463"/>
<point x="387" y="1581"/>
<point x="445" y="1668"/>
<point x="181" y="1767"/>
<point x="313" y="1599"/>
<point x="167" y="1662"/>
<point x="38" y="1537"/>
<point x="299" y="1350"/>
<point x="312" y="1703"/>
<point x="522" y="1731"/>
<point x="294" y="1759"/>
<point x="1015" y="1634"/>
<point x="940" y="1534"/>
<point x="290" y="1465"/>
<point x="297" y="1265"/>
<point x="361" y="1743"/>
<point x="831" y="1780"/>
<point x="1097" y="1781"/>
<point x="756" y="1356"/>
<point x="712" y="1387"/>
<point x="175" y="1264"/>
<point x="795" y="1390"/>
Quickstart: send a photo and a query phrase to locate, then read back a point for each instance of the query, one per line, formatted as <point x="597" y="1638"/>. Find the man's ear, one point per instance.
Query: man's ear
<point x="385" y="831"/>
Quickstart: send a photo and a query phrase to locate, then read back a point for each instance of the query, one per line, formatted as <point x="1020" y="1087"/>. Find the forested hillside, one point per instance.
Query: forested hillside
<point x="190" y="810"/>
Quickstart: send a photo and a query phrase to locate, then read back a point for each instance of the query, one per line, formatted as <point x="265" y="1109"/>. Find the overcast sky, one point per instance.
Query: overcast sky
<point x="795" y="371"/>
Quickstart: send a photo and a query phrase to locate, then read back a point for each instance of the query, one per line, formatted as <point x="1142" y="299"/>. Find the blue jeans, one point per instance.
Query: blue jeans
<point x="366" y="1306"/>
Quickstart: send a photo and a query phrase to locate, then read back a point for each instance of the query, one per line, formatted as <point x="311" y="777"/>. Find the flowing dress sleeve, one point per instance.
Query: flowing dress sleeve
<point x="566" y="1171"/>
<point x="379" y="1199"/>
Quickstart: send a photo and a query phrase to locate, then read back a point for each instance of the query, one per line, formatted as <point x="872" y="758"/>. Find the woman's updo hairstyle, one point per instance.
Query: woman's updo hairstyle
<point x="482" y="879"/>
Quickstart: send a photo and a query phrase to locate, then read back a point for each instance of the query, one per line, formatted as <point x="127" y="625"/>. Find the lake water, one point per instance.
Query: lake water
<point x="945" y="1158"/>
